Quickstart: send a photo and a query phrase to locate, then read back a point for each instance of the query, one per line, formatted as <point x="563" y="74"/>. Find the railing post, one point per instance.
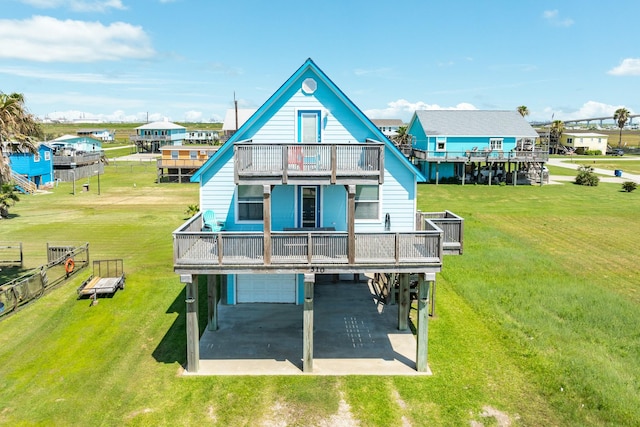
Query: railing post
<point x="351" y="227"/>
<point x="334" y="163"/>
<point x="266" y="196"/>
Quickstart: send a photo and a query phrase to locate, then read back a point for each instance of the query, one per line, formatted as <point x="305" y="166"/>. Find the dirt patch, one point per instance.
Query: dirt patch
<point x="283" y="415"/>
<point x="499" y="418"/>
<point x="403" y="405"/>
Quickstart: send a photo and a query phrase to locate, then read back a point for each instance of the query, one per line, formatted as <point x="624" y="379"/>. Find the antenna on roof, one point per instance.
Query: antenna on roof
<point x="235" y="103"/>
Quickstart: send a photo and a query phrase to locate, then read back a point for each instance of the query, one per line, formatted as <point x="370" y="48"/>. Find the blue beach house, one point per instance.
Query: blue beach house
<point x="481" y="146"/>
<point x="307" y="187"/>
<point x="35" y="167"/>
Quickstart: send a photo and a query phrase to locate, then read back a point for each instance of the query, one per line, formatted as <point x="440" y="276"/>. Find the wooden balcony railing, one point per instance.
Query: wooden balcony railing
<point x="451" y="225"/>
<point x="62" y="161"/>
<point x="180" y="163"/>
<point x="538" y="155"/>
<point x="277" y="163"/>
<point x="319" y="251"/>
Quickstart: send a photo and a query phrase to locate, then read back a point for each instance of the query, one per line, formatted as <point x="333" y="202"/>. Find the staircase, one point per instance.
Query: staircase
<point x="23" y="184"/>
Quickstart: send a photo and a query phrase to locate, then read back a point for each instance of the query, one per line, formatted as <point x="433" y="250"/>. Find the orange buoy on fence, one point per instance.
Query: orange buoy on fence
<point x="69" y="265"/>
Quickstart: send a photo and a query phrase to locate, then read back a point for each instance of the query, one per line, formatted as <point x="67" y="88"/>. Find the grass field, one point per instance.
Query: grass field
<point x="536" y="322"/>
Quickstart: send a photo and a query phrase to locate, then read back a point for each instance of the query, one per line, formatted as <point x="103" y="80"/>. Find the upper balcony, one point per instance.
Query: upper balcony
<point x="136" y="138"/>
<point x="312" y="164"/>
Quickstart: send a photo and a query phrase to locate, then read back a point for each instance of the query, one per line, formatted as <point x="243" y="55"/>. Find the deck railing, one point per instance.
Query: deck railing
<point x="294" y="249"/>
<point x="136" y="137"/>
<point x="451" y="225"/>
<point x="537" y="155"/>
<point x="332" y="163"/>
<point x="180" y="163"/>
<point x="77" y="160"/>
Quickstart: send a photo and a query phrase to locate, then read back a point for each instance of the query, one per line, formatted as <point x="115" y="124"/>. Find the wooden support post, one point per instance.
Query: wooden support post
<point x="307" y="336"/>
<point x="437" y="172"/>
<point x="541" y="173"/>
<point x="515" y="174"/>
<point x="212" y="301"/>
<point x="422" y="334"/>
<point x="464" y="172"/>
<point x="266" y="214"/>
<point x="404" y="302"/>
<point x="193" y="333"/>
<point x="351" y="227"/>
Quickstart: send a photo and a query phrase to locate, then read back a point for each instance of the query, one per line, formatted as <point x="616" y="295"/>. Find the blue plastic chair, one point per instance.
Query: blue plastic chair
<point x="210" y="223"/>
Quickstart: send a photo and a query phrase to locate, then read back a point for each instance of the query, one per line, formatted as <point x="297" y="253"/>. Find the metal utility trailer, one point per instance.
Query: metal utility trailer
<point x="107" y="277"/>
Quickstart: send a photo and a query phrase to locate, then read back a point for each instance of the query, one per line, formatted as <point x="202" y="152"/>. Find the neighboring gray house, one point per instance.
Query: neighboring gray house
<point x="481" y="146"/>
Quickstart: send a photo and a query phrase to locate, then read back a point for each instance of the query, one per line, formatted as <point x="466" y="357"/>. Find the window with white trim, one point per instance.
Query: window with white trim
<point x="367" y="202"/>
<point x="495" y="143"/>
<point x="441" y="143"/>
<point x="250" y="203"/>
<point x="193" y="155"/>
<point x="36" y="157"/>
<point x="47" y="156"/>
<point x="174" y="155"/>
<point x="309" y="126"/>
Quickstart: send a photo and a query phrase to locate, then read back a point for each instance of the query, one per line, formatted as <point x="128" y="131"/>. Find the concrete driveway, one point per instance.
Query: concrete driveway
<point x="354" y="334"/>
<point x="608" y="175"/>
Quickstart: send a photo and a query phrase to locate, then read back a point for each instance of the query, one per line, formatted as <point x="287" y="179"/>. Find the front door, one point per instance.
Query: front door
<point x="309" y="206"/>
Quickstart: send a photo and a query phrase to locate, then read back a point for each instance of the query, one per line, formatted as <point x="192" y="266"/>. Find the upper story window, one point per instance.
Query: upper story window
<point x="569" y="140"/>
<point x="47" y="156"/>
<point x="36" y="157"/>
<point x="367" y="202"/>
<point x="441" y="143"/>
<point x="309" y="126"/>
<point x="250" y="203"/>
<point x="495" y="143"/>
<point x="193" y="155"/>
<point x="174" y="155"/>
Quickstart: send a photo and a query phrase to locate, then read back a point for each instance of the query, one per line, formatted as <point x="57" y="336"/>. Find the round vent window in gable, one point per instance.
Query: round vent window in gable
<point x="309" y="86"/>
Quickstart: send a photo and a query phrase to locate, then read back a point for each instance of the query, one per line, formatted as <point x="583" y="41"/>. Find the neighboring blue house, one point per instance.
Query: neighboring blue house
<point x="152" y="136"/>
<point x="476" y="146"/>
<point x="307" y="185"/>
<point x="76" y="143"/>
<point x="37" y="168"/>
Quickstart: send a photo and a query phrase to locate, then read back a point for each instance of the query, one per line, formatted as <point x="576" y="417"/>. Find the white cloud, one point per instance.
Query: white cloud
<point x="553" y="18"/>
<point x="78" y="5"/>
<point x="403" y="109"/>
<point x="47" y="39"/>
<point x="628" y="67"/>
<point x="193" y="116"/>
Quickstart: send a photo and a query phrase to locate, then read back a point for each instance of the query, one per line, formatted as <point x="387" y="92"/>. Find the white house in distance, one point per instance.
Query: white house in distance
<point x="102" y="134"/>
<point x="585" y="141"/>
<point x="234" y="119"/>
<point x="389" y="127"/>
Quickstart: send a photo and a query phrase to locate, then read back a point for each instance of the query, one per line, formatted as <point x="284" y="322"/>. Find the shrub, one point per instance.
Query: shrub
<point x="629" y="186"/>
<point x="587" y="177"/>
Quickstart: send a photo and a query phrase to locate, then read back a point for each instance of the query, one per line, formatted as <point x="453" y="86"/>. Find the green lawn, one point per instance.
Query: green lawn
<point x="630" y="166"/>
<point x="537" y="320"/>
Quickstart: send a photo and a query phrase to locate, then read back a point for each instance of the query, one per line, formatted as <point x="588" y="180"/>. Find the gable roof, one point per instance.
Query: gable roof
<point x="474" y="123"/>
<point x="265" y="108"/>
<point x="161" y="125"/>
<point x="387" y="122"/>
<point x="230" y="118"/>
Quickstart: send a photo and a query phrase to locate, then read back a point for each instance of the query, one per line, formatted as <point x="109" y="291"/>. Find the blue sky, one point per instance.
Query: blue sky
<point x="185" y="59"/>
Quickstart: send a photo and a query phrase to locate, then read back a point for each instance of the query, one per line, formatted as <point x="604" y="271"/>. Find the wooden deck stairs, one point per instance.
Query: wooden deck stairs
<point x="23" y="184"/>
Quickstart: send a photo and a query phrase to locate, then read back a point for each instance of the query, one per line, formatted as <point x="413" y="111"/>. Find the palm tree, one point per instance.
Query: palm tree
<point x="523" y="110"/>
<point x="555" y="133"/>
<point x="16" y="125"/>
<point x="8" y="198"/>
<point x="401" y="137"/>
<point x="621" y="116"/>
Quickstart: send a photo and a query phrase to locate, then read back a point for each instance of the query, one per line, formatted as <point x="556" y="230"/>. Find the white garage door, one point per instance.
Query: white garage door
<point x="266" y="288"/>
